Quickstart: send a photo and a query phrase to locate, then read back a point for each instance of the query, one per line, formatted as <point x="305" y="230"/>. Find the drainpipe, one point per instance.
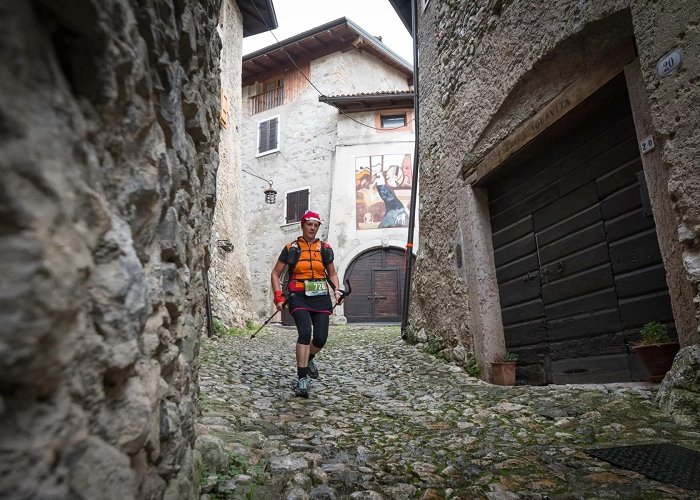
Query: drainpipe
<point x="210" y="321"/>
<point x="414" y="185"/>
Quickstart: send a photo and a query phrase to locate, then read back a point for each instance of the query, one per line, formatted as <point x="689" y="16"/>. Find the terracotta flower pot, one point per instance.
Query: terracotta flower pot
<point x="657" y="358"/>
<point x="503" y="373"/>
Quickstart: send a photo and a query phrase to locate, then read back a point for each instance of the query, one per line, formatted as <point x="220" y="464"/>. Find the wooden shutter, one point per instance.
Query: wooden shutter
<point x="292" y="206"/>
<point x="267" y="135"/>
<point x="272" y="141"/>
<point x="297" y="204"/>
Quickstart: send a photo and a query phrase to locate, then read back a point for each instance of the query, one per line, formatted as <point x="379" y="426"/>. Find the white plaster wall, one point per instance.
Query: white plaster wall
<point x="308" y="131"/>
<point x="229" y="278"/>
<point x="356" y="71"/>
<point x="355" y="140"/>
<point x="306" y="140"/>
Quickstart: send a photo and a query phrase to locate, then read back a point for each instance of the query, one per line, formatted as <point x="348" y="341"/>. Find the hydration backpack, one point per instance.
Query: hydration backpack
<point x="294" y="253"/>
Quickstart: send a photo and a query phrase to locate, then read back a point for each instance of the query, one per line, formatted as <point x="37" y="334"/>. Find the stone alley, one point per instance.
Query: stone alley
<point x="386" y="419"/>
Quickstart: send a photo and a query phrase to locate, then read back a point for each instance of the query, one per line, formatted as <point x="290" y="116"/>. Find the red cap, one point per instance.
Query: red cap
<point x="309" y="215"/>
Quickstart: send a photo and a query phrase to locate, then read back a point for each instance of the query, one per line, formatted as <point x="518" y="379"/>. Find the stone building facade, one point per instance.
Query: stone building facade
<point x="318" y="155"/>
<point x="109" y="131"/>
<point x="520" y="83"/>
<point x="229" y="277"/>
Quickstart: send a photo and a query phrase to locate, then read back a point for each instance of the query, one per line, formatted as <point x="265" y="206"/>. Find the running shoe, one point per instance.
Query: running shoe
<point x="313" y="370"/>
<point x="302" y="388"/>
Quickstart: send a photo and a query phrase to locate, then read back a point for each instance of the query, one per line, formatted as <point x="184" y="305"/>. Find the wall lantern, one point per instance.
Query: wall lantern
<point x="270" y="193"/>
<point x="225" y="245"/>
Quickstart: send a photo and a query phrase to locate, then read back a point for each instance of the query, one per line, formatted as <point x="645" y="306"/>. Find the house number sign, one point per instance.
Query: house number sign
<point x="669" y="63"/>
<point x="647" y="144"/>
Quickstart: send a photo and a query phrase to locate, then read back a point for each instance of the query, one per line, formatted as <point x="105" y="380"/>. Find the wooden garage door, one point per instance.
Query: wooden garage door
<point x="377" y="279"/>
<point x="577" y="259"/>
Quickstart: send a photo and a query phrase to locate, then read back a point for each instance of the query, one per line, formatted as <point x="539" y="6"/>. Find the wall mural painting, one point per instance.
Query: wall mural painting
<point x="383" y="191"/>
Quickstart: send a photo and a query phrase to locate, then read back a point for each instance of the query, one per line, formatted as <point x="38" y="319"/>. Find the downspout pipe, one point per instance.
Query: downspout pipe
<point x="414" y="185"/>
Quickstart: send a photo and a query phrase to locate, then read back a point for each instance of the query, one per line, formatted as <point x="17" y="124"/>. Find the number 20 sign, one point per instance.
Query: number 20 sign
<point x="669" y="63"/>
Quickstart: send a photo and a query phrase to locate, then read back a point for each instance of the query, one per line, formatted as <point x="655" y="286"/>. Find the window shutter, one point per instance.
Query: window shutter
<point x="303" y="203"/>
<point x="267" y="135"/>
<point x="272" y="137"/>
<point x="297" y="204"/>
<point x="292" y="206"/>
<point x="263" y="136"/>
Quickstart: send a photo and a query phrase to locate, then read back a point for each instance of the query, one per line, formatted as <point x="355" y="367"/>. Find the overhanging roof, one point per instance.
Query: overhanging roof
<point x="370" y="102"/>
<point x="403" y="9"/>
<point x="339" y="35"/>
<point x="258" y="16"/>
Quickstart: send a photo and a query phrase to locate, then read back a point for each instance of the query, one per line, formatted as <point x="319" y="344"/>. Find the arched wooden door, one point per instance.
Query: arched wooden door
<point x="577" y="258"/>
<point x="377" y="280"/>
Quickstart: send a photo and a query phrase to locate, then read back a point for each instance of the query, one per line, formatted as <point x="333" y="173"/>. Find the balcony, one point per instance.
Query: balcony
<point x="267" y="100"/>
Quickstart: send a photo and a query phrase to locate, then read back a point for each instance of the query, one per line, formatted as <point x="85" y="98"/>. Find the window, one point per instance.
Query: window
<point x="393" y="121"/>
<point x="272" y="96"/>
<point x="297" y="204"/>
<point x="268" y="136"/>
<point x="273" y="84"/>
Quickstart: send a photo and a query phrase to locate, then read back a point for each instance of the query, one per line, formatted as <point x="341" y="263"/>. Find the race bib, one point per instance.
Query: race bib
<point x="312" y="288"/>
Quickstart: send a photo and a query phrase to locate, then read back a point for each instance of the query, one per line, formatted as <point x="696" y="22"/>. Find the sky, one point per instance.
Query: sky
<point x="377" y="17"/>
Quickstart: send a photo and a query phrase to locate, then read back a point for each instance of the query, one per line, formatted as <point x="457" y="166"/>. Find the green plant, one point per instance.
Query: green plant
<point x="238" y="464"/>
<point x="233" y="331"/>
<point x="473" y="367"/>
<point x="654" y="332"/>
<point x="219" y="327"/>
<point x="509" y="357"/>
<point x="434" y="345"/>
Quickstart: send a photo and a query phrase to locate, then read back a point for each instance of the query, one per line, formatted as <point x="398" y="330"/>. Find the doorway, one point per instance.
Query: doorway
<point x="577" y="259"/>
<point x="377" y="280"/>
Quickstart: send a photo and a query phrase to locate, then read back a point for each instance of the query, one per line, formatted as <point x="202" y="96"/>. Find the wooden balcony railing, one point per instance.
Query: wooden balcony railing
<point x="267" y="100"/>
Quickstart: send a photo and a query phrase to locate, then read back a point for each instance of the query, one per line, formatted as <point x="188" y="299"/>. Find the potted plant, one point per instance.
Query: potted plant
<point x="503" y="369"/>
<point x="656" y="350"/>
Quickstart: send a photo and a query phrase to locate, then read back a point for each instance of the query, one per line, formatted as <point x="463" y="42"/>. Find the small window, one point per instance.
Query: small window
<point x="268" y="136"/>
<point x="393" y="121"/>
<point x="275" y="83"/>
<point x="297" y="204"/>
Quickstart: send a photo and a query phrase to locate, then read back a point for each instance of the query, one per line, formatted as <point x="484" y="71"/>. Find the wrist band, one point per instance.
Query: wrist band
<point x="279" y="297"/>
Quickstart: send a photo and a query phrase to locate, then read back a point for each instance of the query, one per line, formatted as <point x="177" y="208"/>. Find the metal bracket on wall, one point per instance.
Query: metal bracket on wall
<point x="225" y="245"/>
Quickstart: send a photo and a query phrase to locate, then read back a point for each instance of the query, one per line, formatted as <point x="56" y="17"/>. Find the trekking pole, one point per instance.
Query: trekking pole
<point x="343" y="294"/>
<point x="267" y="321"/>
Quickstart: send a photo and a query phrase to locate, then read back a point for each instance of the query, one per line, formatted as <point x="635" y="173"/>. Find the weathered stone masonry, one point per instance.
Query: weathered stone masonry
<point x="108" y="153"/>
<point x="488" y="67"/>
<point x="229" y="273"/>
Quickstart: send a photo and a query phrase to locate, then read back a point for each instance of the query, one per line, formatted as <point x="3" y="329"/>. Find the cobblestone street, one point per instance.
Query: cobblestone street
<point x="387" y="420"/>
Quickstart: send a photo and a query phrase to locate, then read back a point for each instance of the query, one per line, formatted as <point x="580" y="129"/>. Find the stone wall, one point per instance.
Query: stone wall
<point x="108" y="156"/>
<point x="484" y="69"/>
<point x="674" y="102"/>
<point x="229" y="275"/>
